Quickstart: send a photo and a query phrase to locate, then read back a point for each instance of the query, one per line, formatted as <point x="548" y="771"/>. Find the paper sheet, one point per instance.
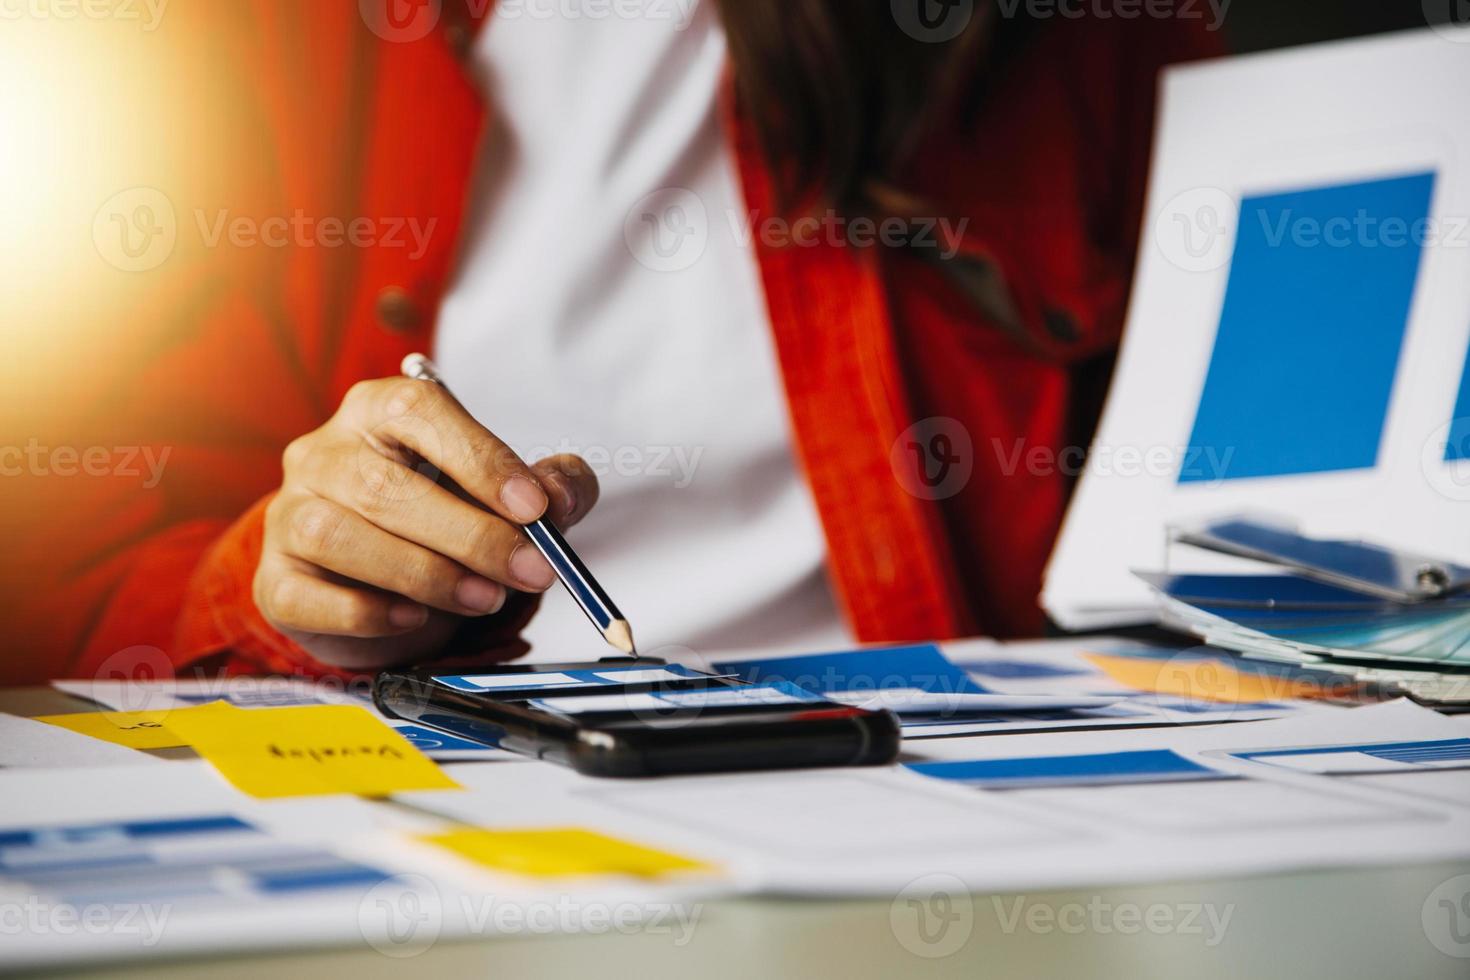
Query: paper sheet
<point x="241" y="691"/>
<point x="1297" y="335"/>
<point x="1260" y="819"/>
<point x="1065" y="668"/>
<point x="876" y="830"/>
<point x="170" y="860"/>
<point x="24" y="742"/>
<point x="1166" y="804"/>
<point x="931" y="694"/>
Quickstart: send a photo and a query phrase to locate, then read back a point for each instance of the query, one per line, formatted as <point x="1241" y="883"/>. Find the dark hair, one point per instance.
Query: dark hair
<point x="841" y="92"/>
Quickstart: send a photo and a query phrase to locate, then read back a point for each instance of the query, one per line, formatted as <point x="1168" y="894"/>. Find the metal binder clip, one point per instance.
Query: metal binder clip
<point x="1371" y="569"/>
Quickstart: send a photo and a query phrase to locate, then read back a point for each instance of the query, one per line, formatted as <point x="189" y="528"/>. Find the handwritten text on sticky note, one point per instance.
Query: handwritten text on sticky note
<point x="135" y="729"/>
<point x="307" y="751"/>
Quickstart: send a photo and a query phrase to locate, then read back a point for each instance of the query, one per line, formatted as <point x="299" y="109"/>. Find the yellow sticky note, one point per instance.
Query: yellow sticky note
<point x="135" y="729"/>
<point x="307" y="751"/>
<point x="1201" y="679"/>
<point x="562" y="852"/>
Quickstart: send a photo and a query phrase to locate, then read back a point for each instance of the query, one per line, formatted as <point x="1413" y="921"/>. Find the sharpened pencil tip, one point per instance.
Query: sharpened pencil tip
<point x="621" y="636"/>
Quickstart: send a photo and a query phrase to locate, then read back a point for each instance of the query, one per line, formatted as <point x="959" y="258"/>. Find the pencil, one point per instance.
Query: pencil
<point x="548" y="540"/>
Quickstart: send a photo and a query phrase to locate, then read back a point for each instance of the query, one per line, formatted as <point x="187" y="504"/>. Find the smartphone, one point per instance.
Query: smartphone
<point x="623" y="717"/>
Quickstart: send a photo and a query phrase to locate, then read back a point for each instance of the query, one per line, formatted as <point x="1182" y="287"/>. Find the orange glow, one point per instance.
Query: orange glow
<point x="88" y="108"/>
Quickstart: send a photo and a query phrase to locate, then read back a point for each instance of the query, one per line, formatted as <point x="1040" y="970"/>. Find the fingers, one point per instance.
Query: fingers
<point x="398" y="414"/>
<point x="411" y="507"/>
<point x="327" y="535"/>
<point x="364" y="541"/>
<point x="294" y="599"/>
<point x="571" y="485"/>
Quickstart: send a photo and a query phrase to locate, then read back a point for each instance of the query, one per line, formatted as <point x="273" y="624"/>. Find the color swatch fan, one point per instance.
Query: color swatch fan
<point x="1401" y="622"/>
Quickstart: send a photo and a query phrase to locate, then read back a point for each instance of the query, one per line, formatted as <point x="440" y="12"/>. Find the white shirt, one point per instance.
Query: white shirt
<point x="588" y="318"/>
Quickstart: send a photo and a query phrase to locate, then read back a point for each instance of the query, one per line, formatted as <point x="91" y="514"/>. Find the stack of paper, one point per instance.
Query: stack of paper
<point x="1422" y="649"/>
<point x="282" y="835"/>
<point x="1380" y="784"/>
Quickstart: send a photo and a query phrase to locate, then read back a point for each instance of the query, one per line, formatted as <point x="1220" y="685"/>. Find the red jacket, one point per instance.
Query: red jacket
<point x="228" y="349"/>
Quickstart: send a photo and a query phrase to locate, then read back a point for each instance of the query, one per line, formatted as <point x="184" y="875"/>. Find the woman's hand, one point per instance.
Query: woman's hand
<point x="369" y="562"/>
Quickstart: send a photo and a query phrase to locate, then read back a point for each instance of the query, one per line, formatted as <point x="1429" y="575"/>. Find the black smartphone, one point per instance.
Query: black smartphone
<point x="623" y="717"/>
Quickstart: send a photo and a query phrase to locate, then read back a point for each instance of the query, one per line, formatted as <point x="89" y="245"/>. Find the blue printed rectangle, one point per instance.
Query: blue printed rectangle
<point x="216" y="857"/>
<point x="1445" y="753"/>
<point x="1016" y="670"/>
<point x="108" y="844"/>
<point x="1457" y="444"/>
<point x="1317" y="304"/>
<point x="1112" y="768"/>
<point x="431" y="740"/>
<point x="921" y="666"/>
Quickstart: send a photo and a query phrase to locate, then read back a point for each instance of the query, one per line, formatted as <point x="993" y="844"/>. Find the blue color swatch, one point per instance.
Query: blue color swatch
<point x="1321" y="284"/>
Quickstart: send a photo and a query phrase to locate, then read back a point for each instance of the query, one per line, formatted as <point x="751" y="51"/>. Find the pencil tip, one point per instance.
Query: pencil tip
<point x="621" y="636"/>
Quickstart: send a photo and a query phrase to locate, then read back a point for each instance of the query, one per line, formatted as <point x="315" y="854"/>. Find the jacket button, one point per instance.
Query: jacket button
<point x="396" y="310"/>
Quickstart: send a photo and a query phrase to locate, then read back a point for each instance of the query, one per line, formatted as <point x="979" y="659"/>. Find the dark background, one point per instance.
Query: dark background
<point x="1256" y="25"/>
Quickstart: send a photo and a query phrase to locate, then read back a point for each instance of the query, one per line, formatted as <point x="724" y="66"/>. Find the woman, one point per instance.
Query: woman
<point x="806" y="284"/>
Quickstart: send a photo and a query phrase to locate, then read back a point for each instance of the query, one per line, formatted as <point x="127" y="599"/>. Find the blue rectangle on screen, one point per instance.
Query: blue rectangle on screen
<point x="1321" y="284"/>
